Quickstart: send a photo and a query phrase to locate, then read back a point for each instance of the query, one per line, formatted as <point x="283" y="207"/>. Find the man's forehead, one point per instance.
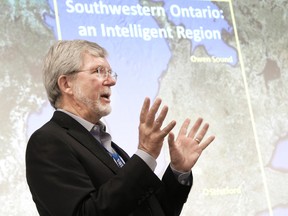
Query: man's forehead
<point x="91" y="59"/>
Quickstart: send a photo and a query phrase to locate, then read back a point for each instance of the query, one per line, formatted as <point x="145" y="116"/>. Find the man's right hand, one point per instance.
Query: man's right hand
<point x="151" y="136"/>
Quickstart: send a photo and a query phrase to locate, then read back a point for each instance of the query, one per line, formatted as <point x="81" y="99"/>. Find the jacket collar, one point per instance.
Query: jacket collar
<point x="85" y="138"/>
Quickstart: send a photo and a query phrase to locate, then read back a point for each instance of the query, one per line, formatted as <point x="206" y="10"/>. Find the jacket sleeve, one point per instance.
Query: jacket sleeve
<point x="174" y="194"/>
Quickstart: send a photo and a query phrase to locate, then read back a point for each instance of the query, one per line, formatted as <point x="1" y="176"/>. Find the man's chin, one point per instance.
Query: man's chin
<point x="106" y="111"/>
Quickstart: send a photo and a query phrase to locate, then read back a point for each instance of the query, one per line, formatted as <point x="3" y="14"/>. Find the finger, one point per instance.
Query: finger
<point x="195" y="128"/>
<point x="202" y="132"/>
<point x="152" y="112"/>
<point x="144" y="110"/>
<point x="168" y="128"/>
<point x="207" y="142"/>
<point x="171" y="139"/>
<point x="161" y="117"/>
<point x="183" y="129"/>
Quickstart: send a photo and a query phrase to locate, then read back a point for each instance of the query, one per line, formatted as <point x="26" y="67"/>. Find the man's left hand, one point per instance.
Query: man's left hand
<point x="187" y="148"/>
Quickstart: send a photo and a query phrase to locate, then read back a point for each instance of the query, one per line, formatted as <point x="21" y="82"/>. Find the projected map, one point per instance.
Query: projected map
<point x="203" y="58"/>
<point x="124" y="28"/>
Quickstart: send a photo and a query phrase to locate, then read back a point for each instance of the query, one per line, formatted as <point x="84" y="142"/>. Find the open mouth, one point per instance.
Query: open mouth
<point x="106" y="96"/>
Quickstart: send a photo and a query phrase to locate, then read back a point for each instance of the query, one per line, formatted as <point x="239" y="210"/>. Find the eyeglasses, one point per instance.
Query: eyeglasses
<point x="102" y="72"/>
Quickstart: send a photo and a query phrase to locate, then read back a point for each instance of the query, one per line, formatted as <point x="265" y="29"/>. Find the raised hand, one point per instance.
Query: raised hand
<point x="151" y="136"/>
<point x="187" y="148"/>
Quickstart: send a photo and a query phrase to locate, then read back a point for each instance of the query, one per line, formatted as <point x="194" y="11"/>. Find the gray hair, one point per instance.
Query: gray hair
<point x="65" y="58"/>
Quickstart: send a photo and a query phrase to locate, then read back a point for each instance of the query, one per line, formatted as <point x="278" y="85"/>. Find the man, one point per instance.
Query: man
<point x="73" y="168"/>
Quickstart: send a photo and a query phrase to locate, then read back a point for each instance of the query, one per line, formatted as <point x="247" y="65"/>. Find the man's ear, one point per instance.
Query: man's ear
<point x="65" y="84"/>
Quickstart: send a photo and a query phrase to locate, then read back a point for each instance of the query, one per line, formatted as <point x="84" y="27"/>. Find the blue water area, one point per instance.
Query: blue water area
<point x="210" y="18"/>
<point x="280" y="160"/>
<point x="279" y="211"/>
<point x="139" y="63"/>
<point x="38" y="119"/>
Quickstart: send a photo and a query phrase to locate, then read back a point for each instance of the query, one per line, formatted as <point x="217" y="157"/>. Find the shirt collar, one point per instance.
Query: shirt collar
<point x="86" y="124"/>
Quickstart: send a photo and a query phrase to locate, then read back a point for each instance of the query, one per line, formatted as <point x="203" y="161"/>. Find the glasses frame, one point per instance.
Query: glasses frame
<point x="99" y="70"/>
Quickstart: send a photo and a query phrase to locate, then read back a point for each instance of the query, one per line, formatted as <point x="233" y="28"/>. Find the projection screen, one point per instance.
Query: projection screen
<point x="226" y="61"/>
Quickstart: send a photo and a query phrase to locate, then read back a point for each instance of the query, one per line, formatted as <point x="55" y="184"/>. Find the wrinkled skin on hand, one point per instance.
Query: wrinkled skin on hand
<point x="151" y="136"/>
<point x="187" y="148"/>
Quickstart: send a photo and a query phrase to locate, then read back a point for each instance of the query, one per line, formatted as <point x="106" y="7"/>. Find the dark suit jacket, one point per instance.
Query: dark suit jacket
<point x="70" y="173"/>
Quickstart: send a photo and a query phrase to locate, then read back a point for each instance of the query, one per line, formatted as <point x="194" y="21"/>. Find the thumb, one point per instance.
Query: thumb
<point x="171" y="141"/>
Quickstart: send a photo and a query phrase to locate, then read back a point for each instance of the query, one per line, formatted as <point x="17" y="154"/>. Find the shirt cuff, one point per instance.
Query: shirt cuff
<point x="147" y="158"/>
<point x="182" y="177"/>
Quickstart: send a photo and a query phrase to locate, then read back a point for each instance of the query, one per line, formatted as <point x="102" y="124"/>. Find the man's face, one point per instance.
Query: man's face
<point x="92" y="92"/>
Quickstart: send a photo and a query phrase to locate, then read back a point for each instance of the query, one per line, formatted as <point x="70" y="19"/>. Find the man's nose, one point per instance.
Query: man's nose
<point x="110" y="81"/>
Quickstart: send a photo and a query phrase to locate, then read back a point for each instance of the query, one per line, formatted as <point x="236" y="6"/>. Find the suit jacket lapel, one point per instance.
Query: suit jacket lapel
<point x="121" y="152"/>
<point x="78" y="132"/>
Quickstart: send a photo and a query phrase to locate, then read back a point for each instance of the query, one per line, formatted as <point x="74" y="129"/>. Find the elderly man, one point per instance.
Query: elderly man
<point x="73" y="167"/>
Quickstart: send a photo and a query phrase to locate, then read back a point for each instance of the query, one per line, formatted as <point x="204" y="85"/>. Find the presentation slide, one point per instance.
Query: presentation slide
<point x="225" y="61"/>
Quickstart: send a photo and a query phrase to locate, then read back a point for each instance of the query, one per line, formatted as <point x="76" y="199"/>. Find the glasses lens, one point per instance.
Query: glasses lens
<point x="104" y="73"/>
<point x="101" y="71"/>
<point x="114" y="75"/>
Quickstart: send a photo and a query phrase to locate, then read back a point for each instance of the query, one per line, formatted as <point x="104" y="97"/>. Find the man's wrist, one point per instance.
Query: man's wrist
<point x="182" y="177"/>
<point x="147" y="158"/>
